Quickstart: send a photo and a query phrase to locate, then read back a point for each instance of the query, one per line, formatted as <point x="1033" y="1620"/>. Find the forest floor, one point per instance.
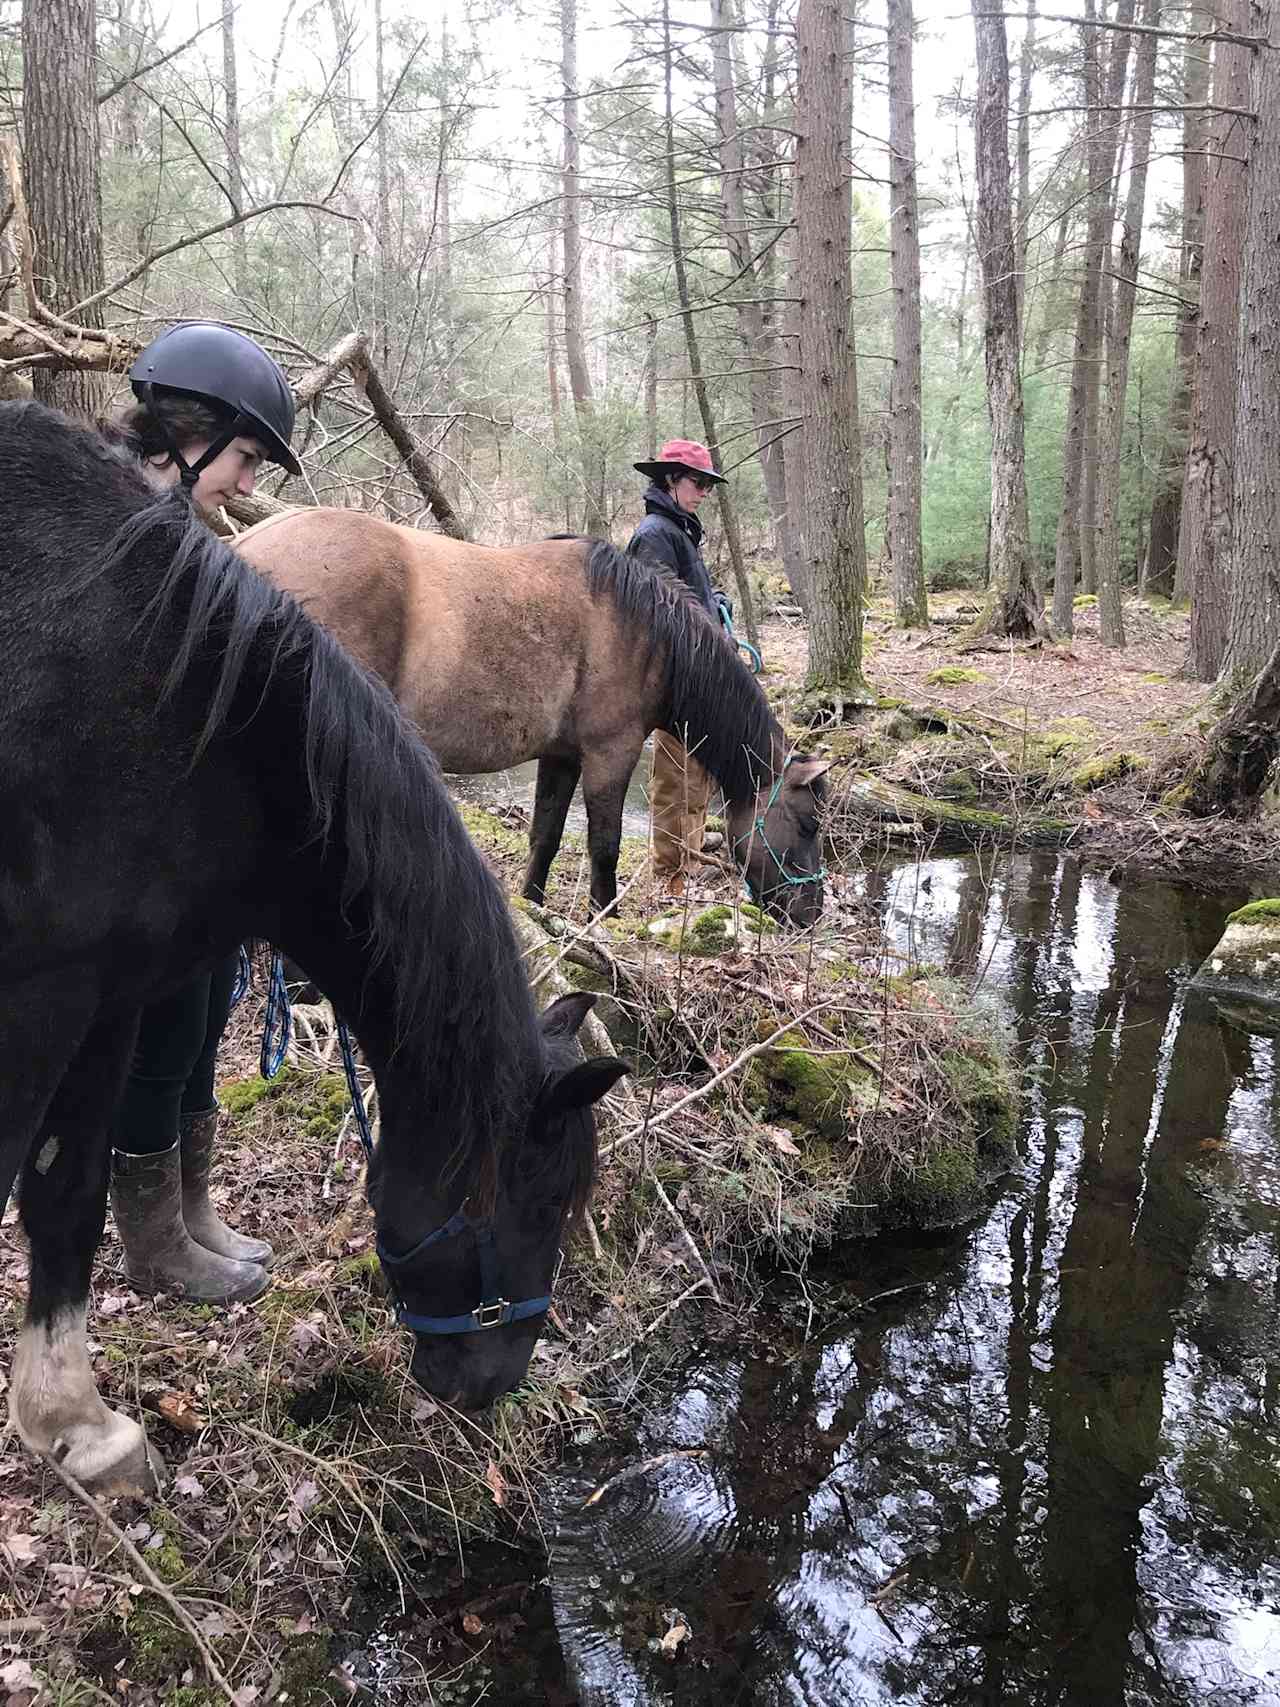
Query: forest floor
<point x="329" y="1531"/>
<point x="1092" y="737"/>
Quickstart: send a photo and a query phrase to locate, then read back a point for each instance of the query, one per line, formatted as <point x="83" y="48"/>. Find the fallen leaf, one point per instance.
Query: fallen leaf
<point x="213" y="1625"/>
<point x="783" y="1141"/>
<point x="674" y="1639"/>
<point x="18" y="1675"/>
<point x="22" y="1549"/>
<point x="190" y="1487"/>
<point x="472" y="1625"/>
<point x="179" y="1411"/>
<point x="305" y="1495"/>
<point x="496" y="1483"/>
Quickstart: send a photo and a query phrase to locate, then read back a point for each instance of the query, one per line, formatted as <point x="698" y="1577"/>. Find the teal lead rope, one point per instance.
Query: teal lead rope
<point x="758" y="829"/>
<point x="757" y="662"/>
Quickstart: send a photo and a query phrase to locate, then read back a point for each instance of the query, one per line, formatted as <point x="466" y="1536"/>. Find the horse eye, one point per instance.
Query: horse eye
<point x="808" y="825"/>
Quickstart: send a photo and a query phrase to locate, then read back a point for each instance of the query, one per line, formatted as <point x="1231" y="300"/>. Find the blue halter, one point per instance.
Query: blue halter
<point x="493" y="1311"/>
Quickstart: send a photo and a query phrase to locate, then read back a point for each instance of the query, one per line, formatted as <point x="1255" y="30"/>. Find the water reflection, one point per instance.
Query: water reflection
<point x="1049" y="1471"/>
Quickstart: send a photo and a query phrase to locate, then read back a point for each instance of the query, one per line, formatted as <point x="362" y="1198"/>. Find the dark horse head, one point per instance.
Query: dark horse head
<point x="211" y="765"/>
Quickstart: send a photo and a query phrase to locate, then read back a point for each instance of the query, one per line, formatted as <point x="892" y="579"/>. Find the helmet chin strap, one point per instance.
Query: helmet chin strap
<point x="190" y="472"/>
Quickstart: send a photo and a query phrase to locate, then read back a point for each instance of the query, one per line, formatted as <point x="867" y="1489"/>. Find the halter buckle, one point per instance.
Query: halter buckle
<point x="493" y="1314"/>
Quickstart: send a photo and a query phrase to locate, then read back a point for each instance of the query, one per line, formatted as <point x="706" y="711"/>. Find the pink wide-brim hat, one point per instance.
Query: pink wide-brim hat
<point x="685" y="454"/>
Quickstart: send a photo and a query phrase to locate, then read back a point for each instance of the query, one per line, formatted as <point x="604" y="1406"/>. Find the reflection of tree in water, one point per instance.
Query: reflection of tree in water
<point x="985" y="1447"/>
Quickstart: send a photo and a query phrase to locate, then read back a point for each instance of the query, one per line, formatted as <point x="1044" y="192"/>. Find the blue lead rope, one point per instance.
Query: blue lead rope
<point x="353" y="1090"/>
<point x="277" y="1027"/>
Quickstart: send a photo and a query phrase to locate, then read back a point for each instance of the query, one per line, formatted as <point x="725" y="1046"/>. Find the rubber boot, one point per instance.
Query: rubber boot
<point x="197" y="1136"/>
<point x="160" y="1255"/>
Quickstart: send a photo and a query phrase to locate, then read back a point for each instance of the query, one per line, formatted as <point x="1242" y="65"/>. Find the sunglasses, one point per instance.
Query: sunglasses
<point x="703" y="482"/>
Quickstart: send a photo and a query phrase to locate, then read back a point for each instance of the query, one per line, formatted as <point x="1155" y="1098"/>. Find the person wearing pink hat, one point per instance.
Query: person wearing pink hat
<point x="670" y="535"/>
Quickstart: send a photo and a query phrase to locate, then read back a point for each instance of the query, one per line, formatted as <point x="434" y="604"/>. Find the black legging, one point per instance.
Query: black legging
<point x="173" y="1063"/>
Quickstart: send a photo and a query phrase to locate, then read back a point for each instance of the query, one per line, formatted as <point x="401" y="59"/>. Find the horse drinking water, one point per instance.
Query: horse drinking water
<point x="568" y="652"/>
<point x="186" y="759"/>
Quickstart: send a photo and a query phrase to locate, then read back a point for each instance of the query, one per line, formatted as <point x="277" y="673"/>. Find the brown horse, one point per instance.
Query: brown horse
<point x="566" y="651"/>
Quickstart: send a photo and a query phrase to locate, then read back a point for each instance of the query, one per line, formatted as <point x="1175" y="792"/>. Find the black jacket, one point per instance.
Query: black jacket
<point x="672" y="537"/>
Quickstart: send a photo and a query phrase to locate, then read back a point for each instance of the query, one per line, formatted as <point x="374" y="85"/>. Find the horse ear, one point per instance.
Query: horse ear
<point x="805" y="772"/>
<point x="582" y="1085"/>
<point x="562" y="1017"/>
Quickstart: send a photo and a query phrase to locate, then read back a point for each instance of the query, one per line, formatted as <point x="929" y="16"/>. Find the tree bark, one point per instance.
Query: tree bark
<point x="1254" y="629"/>
<point x="1103" y="180"/>
<point x="710" y="432"/>
<point x="1111" y="437"/>
<point x="1026" y="66"/>
<point x="1242" y="750"/>
<point x="381" y="313"/>
<point x="758" y="340"/>
<point x="902" y="522"/>
<point x="574" y="341"/>
<point x="1015" y="609"/>
<point x="833" y="537"/>
<point x="235" y="164"/>
<point x="1160" y="563"/>
<point x="1204" y="543"/>
<point x="60" y="159"/>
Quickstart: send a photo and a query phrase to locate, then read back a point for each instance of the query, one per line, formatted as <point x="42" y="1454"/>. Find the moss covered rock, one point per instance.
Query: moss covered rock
<point x="1243" y="971"/>
<point x="818" y="1091"/>
<point x="953" y="675"/>
<point x="712" y="930"/>
<point x="1108" y="768"/>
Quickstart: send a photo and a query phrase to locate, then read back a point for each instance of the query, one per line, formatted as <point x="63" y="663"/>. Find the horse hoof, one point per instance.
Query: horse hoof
<point x="117" y="1461"/>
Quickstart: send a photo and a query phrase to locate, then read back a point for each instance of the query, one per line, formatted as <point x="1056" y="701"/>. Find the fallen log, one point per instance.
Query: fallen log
<point x="868" y="799"/>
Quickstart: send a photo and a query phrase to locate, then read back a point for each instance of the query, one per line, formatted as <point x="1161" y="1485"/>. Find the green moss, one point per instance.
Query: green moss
<point x="1175" y="799"/>
<point x="1154" y="677"/>
<point x="488" y="831"/>
<point x="1109" y="768"/>
<point x="814" y="1090"/>
<point x="1255" y="912"/>
<point x="158" y="1649"/>
<point x="1085" y="601"/>
<point x="987" y="1095"/>
<point x="712" y="930"/>
<point x="313" y="1103"/>
<point x="952" y="675"/>
<point x="304" y="1671"/>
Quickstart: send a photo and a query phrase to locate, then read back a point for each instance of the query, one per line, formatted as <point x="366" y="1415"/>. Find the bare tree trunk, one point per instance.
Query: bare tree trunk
<point x="60" y="159"/>
<point x="235" y="165"/>
<point x="1254" y="580"/>
<point x="1160" y="563"/>
<point x="1015" y="609"/>
<point x="1242" y="750"/>
<point x="758" y="340"/>
<point x="833" y="538"/>
<point x="1026" y="66"/>
<point x="574" y="341"/>
<point x="381" y="328"/>
<point x="1110" y="606"/>
<point x="1103" y="153"/>
<point x="1204" y="543"/>
<point x="728" y="519"/>
<point x="651" y="388"/>
<point x="1051" y="289"/>
<point x="902" y="522"/>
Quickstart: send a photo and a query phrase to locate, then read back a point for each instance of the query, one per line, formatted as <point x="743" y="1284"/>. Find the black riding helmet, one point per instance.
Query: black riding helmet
<point x="205" y="359"/>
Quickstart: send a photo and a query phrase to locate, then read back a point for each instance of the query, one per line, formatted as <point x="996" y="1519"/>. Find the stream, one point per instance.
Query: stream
<point x="1037" y="1460"/>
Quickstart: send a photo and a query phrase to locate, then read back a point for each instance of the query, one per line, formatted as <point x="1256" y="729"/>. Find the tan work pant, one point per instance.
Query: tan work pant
<point x="679" y="790"/>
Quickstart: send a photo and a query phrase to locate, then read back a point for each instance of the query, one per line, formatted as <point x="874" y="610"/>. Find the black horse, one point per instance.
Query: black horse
<point x="187" y="760"/>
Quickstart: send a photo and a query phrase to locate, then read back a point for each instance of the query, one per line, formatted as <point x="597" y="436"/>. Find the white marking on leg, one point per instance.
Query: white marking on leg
<point x="55" y="1407"/>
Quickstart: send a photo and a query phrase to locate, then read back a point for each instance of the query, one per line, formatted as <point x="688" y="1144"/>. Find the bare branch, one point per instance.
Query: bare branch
<point x="123" y="83"/>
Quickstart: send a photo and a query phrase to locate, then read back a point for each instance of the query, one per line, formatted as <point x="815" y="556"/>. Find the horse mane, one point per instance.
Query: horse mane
<point x="710" y="695"/>
<point x="444" y="936"/>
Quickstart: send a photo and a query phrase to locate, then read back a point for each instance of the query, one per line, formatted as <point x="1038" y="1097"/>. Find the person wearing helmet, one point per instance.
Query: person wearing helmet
<point x="212" y="407"/>
<point x="680" y="477"/>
